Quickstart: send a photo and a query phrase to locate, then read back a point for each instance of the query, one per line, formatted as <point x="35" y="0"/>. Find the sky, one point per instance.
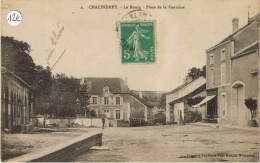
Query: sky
<point x="90" y="45"/>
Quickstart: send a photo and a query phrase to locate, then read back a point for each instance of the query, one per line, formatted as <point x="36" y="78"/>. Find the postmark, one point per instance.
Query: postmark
<point x="137" y="41"/>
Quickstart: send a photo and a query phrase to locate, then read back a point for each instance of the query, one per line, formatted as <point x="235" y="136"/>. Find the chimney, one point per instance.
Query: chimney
<point x="140" y="94"/>
<point x="235" y="24"/>
<point x="188" y="79"/>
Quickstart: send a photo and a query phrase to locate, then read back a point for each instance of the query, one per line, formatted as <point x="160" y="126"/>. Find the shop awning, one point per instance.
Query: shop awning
<point x="206" y="99"/>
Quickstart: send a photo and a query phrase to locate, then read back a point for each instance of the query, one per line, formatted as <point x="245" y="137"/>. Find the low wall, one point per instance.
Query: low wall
<point x="123" y="124"/>
<point x="65" y="122"/>
<point x="62" y="122"/>
<point x="89" y="122"/>
<point x="26" y="128"/>
<point x="63" y="151"/>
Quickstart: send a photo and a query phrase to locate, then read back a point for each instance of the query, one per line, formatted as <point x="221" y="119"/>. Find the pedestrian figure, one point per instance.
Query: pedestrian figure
<point x="103" y="118"/>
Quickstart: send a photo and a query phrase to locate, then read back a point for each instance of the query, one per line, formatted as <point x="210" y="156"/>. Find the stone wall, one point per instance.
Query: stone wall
<point x="64" y="151"/>
<point x="65" y="122"/>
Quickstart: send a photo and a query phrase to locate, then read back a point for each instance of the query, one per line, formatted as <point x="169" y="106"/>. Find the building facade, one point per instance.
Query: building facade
<point x="16" y="103"/>
<point x="232" y="73"/>
<point x="153" y="100"/>
<point x="113" y="98"/>
<point x="175" y="100"/>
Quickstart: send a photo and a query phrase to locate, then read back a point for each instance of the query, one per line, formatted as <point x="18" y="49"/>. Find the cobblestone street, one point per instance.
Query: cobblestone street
<point x="176" y="143"/>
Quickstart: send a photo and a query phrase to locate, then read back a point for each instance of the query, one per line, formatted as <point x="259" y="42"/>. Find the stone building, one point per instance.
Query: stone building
<point x="16" y="103"/>
<point x="153" y="100"/>
<point x="113" y="98"/>
<point x="175" y="100"/>
<point x="232" y="73"/>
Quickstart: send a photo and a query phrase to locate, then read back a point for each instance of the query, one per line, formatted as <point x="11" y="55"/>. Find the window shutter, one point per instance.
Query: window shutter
<point x="121" y="100"/>
<point x="98" y="100"/>
<point x="102" y="100"/>
<point x="110" y="100"/>
<point x="114" y="114"/>
<point x="121" y="113"/>
<point x="114" y="100"/>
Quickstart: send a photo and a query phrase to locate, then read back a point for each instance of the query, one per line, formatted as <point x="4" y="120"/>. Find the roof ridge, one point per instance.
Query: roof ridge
<point x="183" y="85"/>
<point x="230" y="36"/>
<point x="4" y="69"/>
<point x="103" y="77"/>
<point x="116" y="85"/>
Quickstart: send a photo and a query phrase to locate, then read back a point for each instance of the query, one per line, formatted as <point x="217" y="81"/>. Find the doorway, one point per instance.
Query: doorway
<point x="240" y="113"/>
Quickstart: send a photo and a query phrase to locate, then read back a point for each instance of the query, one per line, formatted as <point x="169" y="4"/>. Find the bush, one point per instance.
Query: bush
<point x="192" y="116"/>
<point x="251" y="104"/>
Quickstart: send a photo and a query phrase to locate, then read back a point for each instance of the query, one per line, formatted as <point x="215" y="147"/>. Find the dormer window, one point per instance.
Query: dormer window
<point x="106" y="90"/>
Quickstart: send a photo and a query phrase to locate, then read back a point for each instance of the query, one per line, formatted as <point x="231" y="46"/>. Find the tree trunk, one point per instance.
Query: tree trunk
<point x="251" y="114"/>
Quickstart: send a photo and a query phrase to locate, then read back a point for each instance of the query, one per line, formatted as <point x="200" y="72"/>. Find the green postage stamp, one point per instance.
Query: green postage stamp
<point x="138" y="42"/>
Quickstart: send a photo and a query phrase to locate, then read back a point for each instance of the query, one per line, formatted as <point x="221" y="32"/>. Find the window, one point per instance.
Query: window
<point x="106" y="90"/>
<point x="223" y="54"/>
<point x="106" y="100"/>
<point x="223" y="73"/>
<point x="117" y="114"/>
<point x="211" y="59"/>
<point x="94" y="100"/>
<point x="117" y="100"/>
<point x="106" y="112"/>
<point x="211" y="78"/>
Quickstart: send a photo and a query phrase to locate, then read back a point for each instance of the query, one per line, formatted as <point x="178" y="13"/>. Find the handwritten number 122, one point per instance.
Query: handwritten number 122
<point x="14" y="17"/>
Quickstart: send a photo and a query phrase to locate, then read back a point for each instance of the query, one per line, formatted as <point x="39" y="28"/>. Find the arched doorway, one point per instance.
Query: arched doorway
<point x="240" y="114"/>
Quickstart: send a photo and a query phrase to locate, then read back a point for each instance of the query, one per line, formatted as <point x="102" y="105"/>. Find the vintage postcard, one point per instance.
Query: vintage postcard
<point x="130" y="81"/>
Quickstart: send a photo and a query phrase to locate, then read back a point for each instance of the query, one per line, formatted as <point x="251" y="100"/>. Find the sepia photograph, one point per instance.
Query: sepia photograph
<point x="130" y="80"/>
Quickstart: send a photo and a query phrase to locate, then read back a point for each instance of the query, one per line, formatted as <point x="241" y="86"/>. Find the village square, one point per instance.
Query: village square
<point x="212" y="115"/>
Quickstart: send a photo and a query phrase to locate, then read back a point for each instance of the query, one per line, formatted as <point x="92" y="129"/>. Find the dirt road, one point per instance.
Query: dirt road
<point x="176" y="143"/>
<point x="13" y="145"/>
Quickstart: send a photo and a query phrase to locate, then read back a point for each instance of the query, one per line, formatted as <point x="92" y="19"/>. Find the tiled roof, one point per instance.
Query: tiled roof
<point x="178" y="88"/>
<point x="182" y="86"/>
<point x="5" y="70"/>
<point x="231" y="36"/>
<point x="149" y="93"/>
<point x="191" y="94"/>
<point x="152" y="98"/>
<point x="254" y="47"/>
<point x="96" y="85"/>
<point x="247" y="51"/>
<point x="139" y="99"/>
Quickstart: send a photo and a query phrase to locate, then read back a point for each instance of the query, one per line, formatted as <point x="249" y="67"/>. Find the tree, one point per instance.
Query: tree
<point x="203" y="72"/>
<point x="16" y="58"/>
<point x="163" y="100"/>
<point x="195" y="73"/>
<point x="83" y="99"/>
<point x="251" y="104"/>
<point x="63" y="99"/>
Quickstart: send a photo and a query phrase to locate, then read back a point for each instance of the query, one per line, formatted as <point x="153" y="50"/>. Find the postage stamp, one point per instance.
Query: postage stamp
<point x="138" y="42"/>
